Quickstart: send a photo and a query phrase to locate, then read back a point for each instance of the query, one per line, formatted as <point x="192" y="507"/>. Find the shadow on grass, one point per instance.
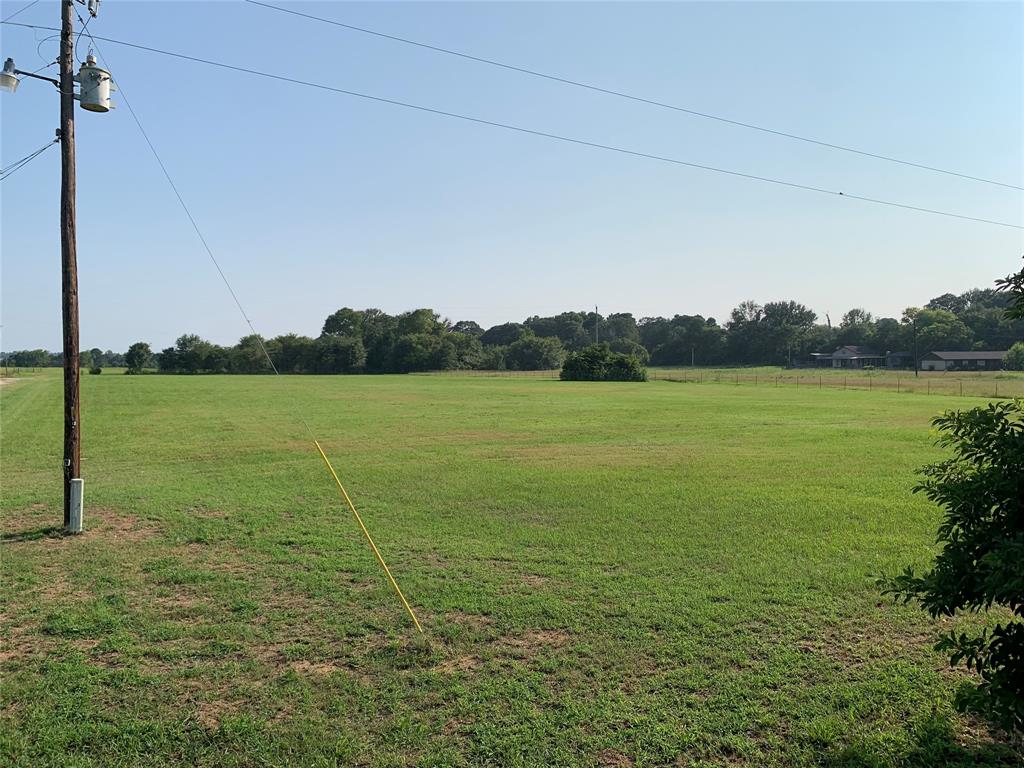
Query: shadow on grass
<point x="933" y="743"/>
<point x="49" y="532"/>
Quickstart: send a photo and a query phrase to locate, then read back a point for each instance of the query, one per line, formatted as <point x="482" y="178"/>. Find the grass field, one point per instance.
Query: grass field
<point x="608" y="575"/>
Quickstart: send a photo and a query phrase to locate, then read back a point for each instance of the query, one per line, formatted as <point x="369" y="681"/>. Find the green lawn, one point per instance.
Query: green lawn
<point x="608" y="575"/>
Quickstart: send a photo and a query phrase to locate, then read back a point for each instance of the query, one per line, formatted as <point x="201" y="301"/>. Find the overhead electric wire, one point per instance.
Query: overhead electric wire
<point x="632" y="97"/>
<point x="18" y="13"/>
<point x="84" y="31"/>
<point x="18" y="165"/>
<point x="259" y="339"/>
<point x="547" y="135"/>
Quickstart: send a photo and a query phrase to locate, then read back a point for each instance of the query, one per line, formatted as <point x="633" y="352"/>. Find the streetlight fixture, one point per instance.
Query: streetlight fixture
<point x="94" y="95"/>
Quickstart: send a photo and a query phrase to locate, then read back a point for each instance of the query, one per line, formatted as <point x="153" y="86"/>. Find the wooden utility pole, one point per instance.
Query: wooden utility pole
<point x="69" y="257"/>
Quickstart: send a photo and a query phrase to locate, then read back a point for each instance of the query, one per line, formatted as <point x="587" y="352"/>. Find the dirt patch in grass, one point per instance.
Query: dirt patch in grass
<point x="209" y="714"/>
<point x="40" y="525"/>
<point x="474" y="621"/>
<point x="535" y="640"/>
<point x="456" y="664"/>
<point x="57" y="589"/>
<point x="16" y="645"/>
<point x="856" y="644"/>
<point x="317" y="668"/>
<point x="612" y="758"/>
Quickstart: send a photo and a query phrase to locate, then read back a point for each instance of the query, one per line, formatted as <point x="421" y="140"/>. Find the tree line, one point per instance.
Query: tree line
<point x="774" y="333"/>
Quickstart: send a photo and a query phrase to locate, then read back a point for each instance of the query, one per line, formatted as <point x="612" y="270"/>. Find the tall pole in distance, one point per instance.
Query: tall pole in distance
<point x="917" y="364"/>
<point x="69" y="263"/>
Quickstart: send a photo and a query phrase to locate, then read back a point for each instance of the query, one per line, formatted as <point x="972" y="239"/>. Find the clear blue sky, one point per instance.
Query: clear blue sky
<point x="313" y="201"/>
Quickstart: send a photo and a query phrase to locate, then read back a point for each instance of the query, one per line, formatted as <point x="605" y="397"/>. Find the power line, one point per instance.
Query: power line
<point x="632" y="97"/>
<point x="259" y="340"/>
<point x="554" y="136"/>
<point x="7" y="172"/>
<point x="18" y="13"/>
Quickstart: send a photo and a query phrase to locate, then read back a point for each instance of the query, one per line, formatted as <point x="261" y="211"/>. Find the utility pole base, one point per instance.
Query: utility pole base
<point x="77" y="490"/>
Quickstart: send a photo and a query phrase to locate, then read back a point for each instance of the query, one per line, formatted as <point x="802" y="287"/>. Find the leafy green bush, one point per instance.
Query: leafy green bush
<point x="981" y="565"/>
<point x="96" y="370"/>
<point x="1013" y="360"/>
<point x="598" y="363"/>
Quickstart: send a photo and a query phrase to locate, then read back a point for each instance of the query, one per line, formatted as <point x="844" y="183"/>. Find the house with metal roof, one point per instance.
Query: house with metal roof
<point x="975" y="360"/>
<point x="849" y="356"/>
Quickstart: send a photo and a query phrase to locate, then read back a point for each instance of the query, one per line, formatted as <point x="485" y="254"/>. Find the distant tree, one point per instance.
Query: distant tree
<point x="857" y="328"/>
<point x="654" y="331"/>
<point x="682" y="340"/>
<point x="937" y="329"/>
<point x="631" y="348"/>
<point x="620" y="326"/>
<point x="424" y="352"/>
<point x="598" y="363"/>
<point x="247" y="356"/>
<point x="469" y="352"/>
<point x="493" y="359"/>
<point x="420" y="321"/>
<point x="856" y="316"/>
<point x="534" y="353"/>
<point x="504" y="334"/>
<point x="1013" y="360"/>
<point x="574" y="329"/>
<point x="889" y="336"/>
<point x="380" y="331"/>
<point x="167" y="360"/>
<point x="292" y="353"/>
<point x="344" y="322"/>
<point x="30" y="358"/>
<point x="190" y="353"/>
<point x="769" y="333"/>
<point x="96" y="357"/>
<point x="339" y="354"/>
<point x="948" y="302"/>
<point x="468" y="327"/>
<point x="138" y="356"/>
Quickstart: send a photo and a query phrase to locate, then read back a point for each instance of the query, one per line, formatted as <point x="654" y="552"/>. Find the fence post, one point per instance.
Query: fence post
<point x="819" y="381"/>
<point x="869" y="383"/>
<point x="997" y="387"/>
<point x="897" y="384"/>
<point x="961" y="387"/>
<point x="929" y="386"/>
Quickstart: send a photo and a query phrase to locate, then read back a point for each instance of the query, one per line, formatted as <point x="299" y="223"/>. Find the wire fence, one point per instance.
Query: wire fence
<point x="991" y="386"/>
<point x="987" y="387"/>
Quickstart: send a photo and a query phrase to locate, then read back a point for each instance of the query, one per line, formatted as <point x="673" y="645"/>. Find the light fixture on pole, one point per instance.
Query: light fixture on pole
<point x="9" y="77"/>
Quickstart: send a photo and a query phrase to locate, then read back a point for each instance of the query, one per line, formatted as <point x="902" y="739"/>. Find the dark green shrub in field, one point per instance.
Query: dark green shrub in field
<point x="981" y="565"/>
<point x="1013" y="360"/>
<point x="96" y="370"/>
<point x="598" y="363"/>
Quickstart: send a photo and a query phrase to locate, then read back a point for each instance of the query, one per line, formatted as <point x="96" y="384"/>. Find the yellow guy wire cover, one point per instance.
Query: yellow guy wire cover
<point x="369" y="539"/>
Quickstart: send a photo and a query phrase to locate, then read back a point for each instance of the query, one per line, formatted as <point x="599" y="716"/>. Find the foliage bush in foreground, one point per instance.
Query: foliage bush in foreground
<point x="981" y="565"/>
<point x="1013" y="360"/>
<point x="598" y="363"/>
